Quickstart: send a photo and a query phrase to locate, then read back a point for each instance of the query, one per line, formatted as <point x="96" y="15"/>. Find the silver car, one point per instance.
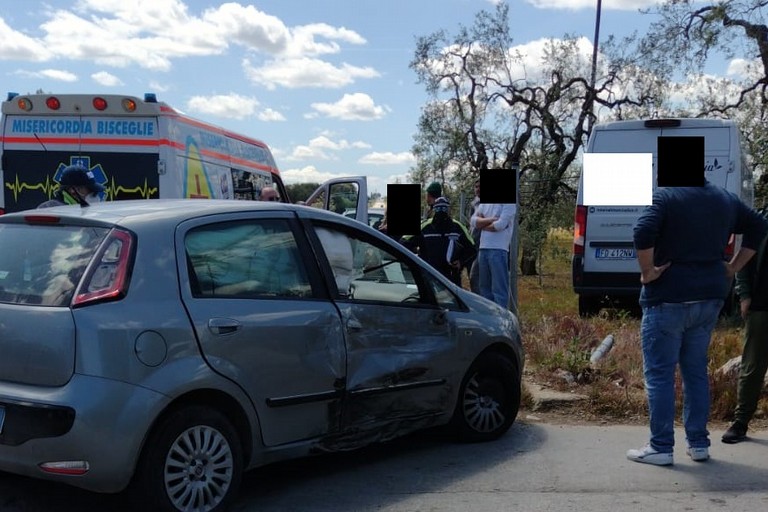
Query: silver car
<point x="170" y="345"/>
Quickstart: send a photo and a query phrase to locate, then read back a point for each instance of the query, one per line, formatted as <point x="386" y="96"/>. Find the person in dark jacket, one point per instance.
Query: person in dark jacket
<point x="752" y="289"/>
<point x="77" y="185"/>
<point x="443" y="242"/>
<point x="680" y="242"/>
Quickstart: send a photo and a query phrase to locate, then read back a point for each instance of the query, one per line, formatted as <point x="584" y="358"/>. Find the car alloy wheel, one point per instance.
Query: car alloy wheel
<point x="198" y="469"/>
<point x="489" y="399"/>
<point x="192" y="462"/>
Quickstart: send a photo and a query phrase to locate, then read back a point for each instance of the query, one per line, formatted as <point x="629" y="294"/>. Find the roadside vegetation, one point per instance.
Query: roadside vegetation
<point x="559" y="344"/>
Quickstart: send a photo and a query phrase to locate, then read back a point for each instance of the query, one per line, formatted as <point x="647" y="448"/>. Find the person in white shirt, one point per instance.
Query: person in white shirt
<point x="495" y="222"/>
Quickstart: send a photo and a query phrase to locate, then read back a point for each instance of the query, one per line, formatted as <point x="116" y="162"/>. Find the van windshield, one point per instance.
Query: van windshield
<point x="46" y="263"/>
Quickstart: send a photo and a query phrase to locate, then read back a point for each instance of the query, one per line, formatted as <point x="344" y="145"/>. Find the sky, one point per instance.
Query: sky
<point x="325" y="83"/>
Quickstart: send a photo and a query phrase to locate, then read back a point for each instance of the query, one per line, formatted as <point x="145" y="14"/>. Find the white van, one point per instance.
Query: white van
<point x="604" y="266"/>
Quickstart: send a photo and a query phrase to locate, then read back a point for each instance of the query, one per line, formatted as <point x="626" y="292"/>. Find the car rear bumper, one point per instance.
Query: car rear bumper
<point x="89" y="419"/>
<point x="602" y="284"/>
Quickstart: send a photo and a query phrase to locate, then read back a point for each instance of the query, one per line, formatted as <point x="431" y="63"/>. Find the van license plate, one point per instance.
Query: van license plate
<point x="2" y="418"/>
<point x="615" y="254"/>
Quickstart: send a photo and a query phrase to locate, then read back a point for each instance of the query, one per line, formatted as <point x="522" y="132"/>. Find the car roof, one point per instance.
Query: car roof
<point x="172" y="210"/>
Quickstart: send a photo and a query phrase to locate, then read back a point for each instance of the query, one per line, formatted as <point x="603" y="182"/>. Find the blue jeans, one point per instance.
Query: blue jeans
<point x="493" y="268"/>
<point x="672" y="334"/>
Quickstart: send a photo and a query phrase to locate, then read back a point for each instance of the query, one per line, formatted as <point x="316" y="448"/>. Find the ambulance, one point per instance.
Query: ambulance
<point x="136" y="148"/>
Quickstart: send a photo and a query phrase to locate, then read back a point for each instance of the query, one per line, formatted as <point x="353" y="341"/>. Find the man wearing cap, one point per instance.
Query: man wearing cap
<point x="77" y="185"/>
<point x="443" y="242"/>
<point x="434" y="190"/>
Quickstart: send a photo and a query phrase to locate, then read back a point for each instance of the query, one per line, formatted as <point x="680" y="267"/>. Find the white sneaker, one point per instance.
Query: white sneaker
<point x="698" y="454"/>
<point x="648" y="455"/>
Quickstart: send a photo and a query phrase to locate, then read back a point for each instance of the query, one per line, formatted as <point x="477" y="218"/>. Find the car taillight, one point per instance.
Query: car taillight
<point x="579" y="230"/>
<point x="108" y="275"/>
<point x="729" y="249"/>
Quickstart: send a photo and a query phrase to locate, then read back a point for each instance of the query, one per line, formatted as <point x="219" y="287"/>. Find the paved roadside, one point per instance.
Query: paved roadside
<point x="536" y="467"/>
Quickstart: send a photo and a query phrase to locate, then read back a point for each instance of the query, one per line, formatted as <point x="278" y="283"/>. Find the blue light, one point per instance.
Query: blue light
<point x="150" y="97"/>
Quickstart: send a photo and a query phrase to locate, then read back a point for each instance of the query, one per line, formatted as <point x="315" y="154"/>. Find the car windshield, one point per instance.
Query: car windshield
<point x="46" y="262"/>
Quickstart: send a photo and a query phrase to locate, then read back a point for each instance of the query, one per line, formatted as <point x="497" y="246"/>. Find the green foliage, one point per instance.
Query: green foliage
<point x="300" y="191"/>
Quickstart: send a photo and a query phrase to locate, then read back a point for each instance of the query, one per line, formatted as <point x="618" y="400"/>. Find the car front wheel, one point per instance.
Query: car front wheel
<point x="192" y="462"/>
<point x="489" y="399"/>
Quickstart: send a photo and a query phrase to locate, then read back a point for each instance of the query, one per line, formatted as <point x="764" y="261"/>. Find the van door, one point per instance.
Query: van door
<point x="340" y="194"/>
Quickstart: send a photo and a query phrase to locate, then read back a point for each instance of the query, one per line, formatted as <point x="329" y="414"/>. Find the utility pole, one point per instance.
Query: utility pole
<point x="513" y="246"/>
<point x="595" y="46"/>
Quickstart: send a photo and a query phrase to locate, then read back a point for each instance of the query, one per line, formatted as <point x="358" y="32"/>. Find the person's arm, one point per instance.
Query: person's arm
<point x="505" y="219"/>
<point x="648" y="271"/>
<point x="741" y="258"/>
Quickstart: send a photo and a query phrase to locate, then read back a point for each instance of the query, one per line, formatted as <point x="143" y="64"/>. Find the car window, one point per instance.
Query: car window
<point x="444" y="296"/>
<point x="368" y="270"/>
<point x="246" y="259"/>
<point x="46" y="263"/>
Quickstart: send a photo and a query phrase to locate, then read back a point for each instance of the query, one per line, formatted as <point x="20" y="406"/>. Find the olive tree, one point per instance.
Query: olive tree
<point x="493" y="106"/>
<point x="685" y="35"/>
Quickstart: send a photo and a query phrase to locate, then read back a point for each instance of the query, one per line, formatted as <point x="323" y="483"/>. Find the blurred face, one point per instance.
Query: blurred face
<point x="477" y="188"/>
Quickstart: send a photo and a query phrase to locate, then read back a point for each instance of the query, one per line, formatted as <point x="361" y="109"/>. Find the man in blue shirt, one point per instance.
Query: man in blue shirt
<point x="680" y="241"/>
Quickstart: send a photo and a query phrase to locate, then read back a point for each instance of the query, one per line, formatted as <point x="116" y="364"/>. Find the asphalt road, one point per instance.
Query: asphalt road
<point x="534" y="468"/>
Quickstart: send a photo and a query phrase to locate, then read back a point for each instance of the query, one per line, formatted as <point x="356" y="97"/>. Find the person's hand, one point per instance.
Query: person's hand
<point x="653" y="273"/>
<point x="744" y="307"/>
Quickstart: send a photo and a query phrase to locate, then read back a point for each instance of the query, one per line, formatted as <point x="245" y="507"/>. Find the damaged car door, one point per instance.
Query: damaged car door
<point x="401" y="348"/>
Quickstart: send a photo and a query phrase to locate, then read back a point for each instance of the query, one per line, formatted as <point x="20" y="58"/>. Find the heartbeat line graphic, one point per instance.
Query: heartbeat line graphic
<point x="145" y="191"/>
<point x="48" y="187"/>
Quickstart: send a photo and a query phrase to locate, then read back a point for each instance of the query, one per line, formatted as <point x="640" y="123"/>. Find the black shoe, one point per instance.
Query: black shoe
<point x="735" y="433"/>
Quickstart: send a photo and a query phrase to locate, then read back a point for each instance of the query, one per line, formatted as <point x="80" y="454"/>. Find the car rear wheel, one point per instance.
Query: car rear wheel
<point x="588" y="306"/>
<point x="192" y="462"/>
<point x="489" y="399"/>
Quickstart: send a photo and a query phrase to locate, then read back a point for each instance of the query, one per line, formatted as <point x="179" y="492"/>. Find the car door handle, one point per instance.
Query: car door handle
<point x="354" y="325"/>
<point x="223" y="326"/>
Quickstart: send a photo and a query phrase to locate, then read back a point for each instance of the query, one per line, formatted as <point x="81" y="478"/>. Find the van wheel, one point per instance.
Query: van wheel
<point x="588" y="306"/>
<point x="191" y="461"/>
<point x="489" y="399"/>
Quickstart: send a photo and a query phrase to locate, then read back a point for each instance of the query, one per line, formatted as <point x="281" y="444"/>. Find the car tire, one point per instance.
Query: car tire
<point x="588" y="306"/>
<point x="489" y="399"/>
<point x="192" y="461"/>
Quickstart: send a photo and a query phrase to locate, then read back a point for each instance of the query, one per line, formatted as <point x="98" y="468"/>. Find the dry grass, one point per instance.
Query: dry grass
<point x="559" y="344"/>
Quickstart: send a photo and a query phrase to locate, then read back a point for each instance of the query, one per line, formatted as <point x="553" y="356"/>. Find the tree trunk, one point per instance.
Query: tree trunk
<point x="528" y="262"/>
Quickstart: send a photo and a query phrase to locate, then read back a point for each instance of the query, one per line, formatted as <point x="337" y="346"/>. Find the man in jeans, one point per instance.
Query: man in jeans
<point x="495" y="222"/>
<point x="680" y="241"/>
<point x="752" y="289"/>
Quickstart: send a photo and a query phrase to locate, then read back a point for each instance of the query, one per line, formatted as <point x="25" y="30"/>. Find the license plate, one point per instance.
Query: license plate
<point x="2" y="418"/>
<point x="615" y="254"/>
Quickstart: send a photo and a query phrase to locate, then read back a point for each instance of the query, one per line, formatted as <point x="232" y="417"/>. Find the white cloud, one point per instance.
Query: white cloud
<point x="742" y="68"/>
<point x="249" y="27"/>
<point x="305" y="72"/>
<point x="155" y="86"/>
<point x="616" y="5"/>
<point x="229" y="106"/>
<point x="152" y="33"/>
<point x="352" y="107"/>
<point x="17" y="46"/>
<point x="305" y="40"/>
<point x="323" y="147"/>
<point x="106" y="79"/>
<point x="388" y="158"/>
<point x="308" y="174"/>
<point x="270" y="115"/>
<point x="51" y="74"/>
